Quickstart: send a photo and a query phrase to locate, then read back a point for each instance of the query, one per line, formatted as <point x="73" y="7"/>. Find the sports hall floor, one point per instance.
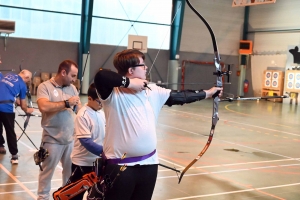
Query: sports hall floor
<point x="254" y="155"/>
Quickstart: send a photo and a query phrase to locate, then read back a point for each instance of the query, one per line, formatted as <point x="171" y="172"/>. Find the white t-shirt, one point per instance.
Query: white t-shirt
<point x="88" y="124"/>
<point x="131" y="119"/>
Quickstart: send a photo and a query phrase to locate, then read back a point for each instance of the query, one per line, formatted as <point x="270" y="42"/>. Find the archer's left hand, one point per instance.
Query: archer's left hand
<point x="212" y="91"/>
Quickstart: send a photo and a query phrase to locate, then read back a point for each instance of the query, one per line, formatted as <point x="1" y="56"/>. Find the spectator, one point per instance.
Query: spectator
<point x="11" y="86"/>
<point x="55" y="99"/>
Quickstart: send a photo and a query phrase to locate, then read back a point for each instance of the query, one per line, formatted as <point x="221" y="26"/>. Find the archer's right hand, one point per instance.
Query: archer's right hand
<point x="137" y="84"/>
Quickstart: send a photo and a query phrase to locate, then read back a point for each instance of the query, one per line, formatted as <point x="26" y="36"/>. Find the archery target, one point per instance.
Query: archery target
<point x="290" y="81"/>
<point x="268" y="77"/>
<point x="274" y="83"/>
<point x="297" y="81"/>
<point x="267" y="83"/>
<point x="291" y="76"/>
<point x="290" y="85"/>
<point x="275" y="76"/>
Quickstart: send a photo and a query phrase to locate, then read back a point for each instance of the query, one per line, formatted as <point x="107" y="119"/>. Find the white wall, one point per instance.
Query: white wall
<point x="283" y="15"/>
<point x="225" y="21"/>
<point x="270" y="48"/>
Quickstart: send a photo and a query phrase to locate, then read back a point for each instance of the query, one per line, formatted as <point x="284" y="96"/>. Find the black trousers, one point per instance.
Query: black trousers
<point x="135" y="183"/>
<point x="1" y="129"/>
<point x="77" y="173"/>
<point x="8" y="121"/>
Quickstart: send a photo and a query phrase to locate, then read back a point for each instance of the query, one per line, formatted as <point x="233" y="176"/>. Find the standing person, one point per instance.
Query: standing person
<point x="55" y="99"/>
<point x="2" y="149"/>
<point x="11" y="86"/>
<point x="89" y="136"/>
<point x="131" y="109"/>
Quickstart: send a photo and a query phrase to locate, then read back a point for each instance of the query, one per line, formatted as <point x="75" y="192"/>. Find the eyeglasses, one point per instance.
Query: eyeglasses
<point x="140" y="65"/>
<point x="98" y="101"/>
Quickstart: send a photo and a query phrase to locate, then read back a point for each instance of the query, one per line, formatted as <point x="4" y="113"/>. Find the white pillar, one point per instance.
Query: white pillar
<point x="86" y="73"/>
<point x="173" y="74"/>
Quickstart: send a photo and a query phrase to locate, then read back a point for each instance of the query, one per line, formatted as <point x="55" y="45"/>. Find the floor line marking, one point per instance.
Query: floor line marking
<point x="19" y="182"/>
<point x="236" y="191"/>
<point x="33" y="149"/>
<point x="27" y="131"/>
<point x="240" y="123"/>
<point x="20" y="191"/>
<point x="280" y="125"/>
<point x="171" y="162"/>
<point x="27" y="182"/>
<point x="230" y="171"/>
<point x="231" y="164"/>
<point x="232" y="142"/>
<point x="30" y="149"/>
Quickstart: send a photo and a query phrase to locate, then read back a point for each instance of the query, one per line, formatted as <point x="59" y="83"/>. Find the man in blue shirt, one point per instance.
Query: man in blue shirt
<point x="11" y="87"/>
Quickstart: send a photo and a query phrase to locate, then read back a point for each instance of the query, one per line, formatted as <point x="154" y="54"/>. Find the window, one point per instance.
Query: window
<point x="44" y="19"/>
<point x="112" y="20"/>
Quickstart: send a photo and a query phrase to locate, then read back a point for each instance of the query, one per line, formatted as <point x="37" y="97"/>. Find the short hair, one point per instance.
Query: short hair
<point x="92" y="91"/>
<point x="126" y="59"/>
<point x="66" y="65"/>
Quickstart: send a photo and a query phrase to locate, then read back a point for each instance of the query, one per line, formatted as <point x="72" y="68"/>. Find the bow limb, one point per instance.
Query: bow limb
<point x="29" y="100"/>
<point x="216" y="100"/>
<point x="28" y="94"/>
<point x="29" y="106"/>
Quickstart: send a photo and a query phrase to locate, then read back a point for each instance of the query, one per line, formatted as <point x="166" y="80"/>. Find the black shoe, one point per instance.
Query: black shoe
<point x="14" y="159"/>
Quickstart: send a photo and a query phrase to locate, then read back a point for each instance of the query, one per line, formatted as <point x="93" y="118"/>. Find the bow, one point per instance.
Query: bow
<point x="29" y="102"/>
<point x="216" y="99"/>
<point x="28" y="115"/>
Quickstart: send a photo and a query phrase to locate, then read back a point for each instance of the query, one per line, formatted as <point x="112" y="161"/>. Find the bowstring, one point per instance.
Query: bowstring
<point x="131" y="25"/>
<point x="164" y="39"/>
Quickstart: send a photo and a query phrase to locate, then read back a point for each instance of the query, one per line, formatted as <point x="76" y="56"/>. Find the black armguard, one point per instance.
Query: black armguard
<point x="106" y="80"/>
<point x="185" y="96"/>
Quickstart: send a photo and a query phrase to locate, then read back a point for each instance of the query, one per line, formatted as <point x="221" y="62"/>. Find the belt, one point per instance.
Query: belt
<point x="6" y="101"/>
<point x="128" y="160"/>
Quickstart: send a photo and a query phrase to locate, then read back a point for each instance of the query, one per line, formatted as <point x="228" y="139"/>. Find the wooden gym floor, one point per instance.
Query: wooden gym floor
<point x="254" y="155"/>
